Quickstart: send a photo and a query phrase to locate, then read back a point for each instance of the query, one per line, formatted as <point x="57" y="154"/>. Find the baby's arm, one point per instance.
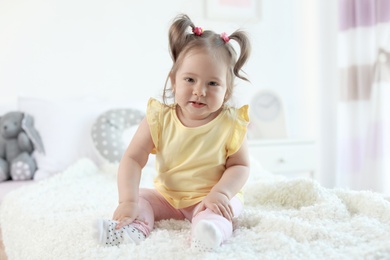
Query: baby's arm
<point x="231" y="182"/>
<point x="129" y="174"/>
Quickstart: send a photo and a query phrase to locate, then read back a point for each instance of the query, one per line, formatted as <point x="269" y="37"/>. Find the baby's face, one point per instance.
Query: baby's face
<point x="200" y="85"/>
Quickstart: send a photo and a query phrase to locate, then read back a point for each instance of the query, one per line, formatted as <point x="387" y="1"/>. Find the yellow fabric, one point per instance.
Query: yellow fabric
<point x="190" y="161"/>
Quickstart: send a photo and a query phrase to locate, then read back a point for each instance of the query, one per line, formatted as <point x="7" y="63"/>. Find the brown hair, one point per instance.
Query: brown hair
<point x="181" y="41"/>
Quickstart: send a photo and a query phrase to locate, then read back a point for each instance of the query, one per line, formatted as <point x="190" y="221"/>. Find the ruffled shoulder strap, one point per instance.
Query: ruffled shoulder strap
<point x="239" y="129"/>
<point x="153" y="115"/>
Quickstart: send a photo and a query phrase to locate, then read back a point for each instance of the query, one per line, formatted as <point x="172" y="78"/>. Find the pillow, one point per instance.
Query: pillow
<point x="113" y="130"/>
<point x="64" y="125"/>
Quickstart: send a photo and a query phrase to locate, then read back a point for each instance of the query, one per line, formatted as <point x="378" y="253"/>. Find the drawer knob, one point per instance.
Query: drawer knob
<point x="281" y="161"/>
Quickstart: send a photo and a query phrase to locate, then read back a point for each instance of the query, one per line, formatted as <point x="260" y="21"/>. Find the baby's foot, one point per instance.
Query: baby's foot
<point x="206" y="236"/>
<point x="110" y="236"/>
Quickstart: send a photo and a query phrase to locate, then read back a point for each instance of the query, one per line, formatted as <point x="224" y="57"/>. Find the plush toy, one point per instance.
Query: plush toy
<point x="18" y="140"/>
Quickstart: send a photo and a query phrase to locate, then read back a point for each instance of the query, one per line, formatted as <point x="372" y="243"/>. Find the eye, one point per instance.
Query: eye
<point x="189" y="80"/>
<point x="213" y="83"/>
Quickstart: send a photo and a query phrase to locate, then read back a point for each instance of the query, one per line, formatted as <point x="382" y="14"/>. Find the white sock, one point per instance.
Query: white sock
<point x="206" y="236"/>
<point x="110" y="236"/>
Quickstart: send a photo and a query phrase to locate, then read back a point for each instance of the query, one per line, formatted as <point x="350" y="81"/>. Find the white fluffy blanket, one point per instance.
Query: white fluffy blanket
<point x="283" y="219"/>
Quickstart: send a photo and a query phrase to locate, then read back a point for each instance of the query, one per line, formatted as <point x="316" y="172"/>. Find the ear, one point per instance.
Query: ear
<point x="28" y="119"/>
<point x="173" y="83"/>
<point x="227" y="96"/>
<point x="32" y="133"/>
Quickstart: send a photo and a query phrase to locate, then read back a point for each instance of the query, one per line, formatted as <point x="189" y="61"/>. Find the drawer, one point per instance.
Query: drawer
<point x="285" y="157"/>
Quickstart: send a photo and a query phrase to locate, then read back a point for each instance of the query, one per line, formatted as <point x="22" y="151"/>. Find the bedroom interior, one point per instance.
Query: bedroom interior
<point x="318" y="139"/>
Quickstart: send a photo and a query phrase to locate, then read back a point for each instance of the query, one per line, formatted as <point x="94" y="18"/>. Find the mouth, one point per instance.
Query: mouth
<point x="197" y="104"/>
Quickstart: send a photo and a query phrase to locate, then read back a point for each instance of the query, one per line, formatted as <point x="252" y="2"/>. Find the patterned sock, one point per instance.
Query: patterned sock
<point x="110" y="236"/>
<point x="205" y="236"/>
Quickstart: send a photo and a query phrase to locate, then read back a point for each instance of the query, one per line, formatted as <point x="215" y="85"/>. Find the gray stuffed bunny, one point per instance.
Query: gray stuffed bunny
<point x="18" y="139"/>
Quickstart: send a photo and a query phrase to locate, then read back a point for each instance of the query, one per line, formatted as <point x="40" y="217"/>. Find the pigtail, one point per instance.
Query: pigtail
<point x="178" y="35"/>
<point x="245" y="48"/>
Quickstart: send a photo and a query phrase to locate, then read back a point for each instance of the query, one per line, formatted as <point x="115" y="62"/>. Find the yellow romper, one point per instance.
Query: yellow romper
<point x="191" y="160"/>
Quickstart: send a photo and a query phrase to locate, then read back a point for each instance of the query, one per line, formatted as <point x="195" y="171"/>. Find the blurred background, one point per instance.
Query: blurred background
<point x="117" y="48"/>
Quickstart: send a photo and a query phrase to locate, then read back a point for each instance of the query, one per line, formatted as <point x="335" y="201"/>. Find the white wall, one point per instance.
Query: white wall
<point x="119" y="48"/>
<point x="73" y="48"/>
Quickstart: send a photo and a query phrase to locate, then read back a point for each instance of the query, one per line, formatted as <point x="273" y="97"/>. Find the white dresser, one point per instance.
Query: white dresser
<point x="290" y="157"/>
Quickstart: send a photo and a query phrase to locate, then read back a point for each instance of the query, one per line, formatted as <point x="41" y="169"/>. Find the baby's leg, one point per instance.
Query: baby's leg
<point x="135" y="232"/>
<point x="209" y="229"/>
<point x="152" y="207"/>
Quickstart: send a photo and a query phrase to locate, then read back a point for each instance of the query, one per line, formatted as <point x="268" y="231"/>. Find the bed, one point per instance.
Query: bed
<point x="55" y="217"/>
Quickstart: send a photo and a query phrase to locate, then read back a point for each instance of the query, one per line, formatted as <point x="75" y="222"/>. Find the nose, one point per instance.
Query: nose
<point x="199" y="90"/>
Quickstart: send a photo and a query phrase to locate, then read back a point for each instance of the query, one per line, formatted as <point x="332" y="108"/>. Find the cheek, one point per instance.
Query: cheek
<point x="219" y="98"/>
<point x="182" y="90"/>
<point x="222" y="94"/>
<point x="179" y="93"/>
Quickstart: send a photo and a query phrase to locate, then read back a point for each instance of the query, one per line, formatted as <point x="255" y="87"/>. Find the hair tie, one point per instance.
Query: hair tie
<point x="198" y="31"/>
<point x="225" y="37"/>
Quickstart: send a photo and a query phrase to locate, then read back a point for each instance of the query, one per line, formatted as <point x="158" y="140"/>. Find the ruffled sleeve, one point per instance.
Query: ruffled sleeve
<point x="239" y="129"/>
<point x="153" y="113"/>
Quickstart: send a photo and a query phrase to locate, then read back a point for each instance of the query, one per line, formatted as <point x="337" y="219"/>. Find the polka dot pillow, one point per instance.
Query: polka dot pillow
<point x="111" y="132"/>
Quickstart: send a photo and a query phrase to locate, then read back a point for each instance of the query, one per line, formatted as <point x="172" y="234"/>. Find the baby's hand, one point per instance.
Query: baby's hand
<point x="126" y="213"/>
<point x="219" y="203"/>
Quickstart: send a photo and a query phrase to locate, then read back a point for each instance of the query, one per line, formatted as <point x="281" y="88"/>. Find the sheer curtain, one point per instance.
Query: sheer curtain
<point x="363" y="112"/>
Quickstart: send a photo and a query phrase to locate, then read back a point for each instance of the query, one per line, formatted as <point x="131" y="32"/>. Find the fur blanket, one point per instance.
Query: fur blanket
<point x="283" y="219"/>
